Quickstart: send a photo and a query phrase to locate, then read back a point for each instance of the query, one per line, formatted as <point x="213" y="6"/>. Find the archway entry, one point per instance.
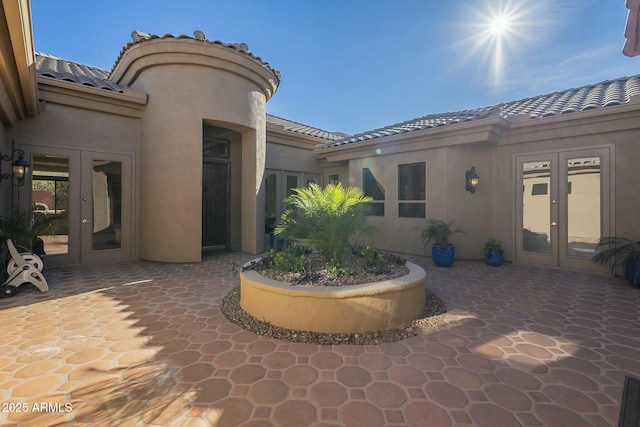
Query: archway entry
<point x="217" y="147"/>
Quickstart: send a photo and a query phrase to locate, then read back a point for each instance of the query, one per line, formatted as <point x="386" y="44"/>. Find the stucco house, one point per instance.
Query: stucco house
<point x="171" y="152"/>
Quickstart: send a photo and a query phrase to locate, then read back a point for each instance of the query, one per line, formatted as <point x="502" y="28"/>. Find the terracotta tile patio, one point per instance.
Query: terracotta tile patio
<point x="143" y="343"/>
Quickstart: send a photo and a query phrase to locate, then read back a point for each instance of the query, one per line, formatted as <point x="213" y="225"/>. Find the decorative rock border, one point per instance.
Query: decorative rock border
<point x="434" y="311"/>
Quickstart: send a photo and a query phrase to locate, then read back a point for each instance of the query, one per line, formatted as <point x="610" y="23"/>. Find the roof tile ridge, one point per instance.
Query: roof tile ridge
<point x="68" y="61"/>
<point x="315" y="128"/>
<point x="141" y="37"/>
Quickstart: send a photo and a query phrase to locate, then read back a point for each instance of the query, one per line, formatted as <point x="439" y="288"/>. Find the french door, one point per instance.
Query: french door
<point x="106" y="197"/>
<point x="85" y="201"/>
<point x="279" y="185"/>
<point x="562" y="207"/>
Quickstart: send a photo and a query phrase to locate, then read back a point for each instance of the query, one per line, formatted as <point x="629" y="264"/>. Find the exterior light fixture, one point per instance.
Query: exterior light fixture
<point x="472" y="180"/>
<point x="19" y="167"/>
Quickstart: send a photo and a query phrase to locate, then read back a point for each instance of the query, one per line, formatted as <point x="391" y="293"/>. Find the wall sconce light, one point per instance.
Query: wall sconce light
<point x="19" y="168"/>
<point x="472" y="180"/>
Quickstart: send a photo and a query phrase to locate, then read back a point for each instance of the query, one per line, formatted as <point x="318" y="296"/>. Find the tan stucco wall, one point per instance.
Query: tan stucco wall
<point x="489" y="212"/>
<point x="342" y="170"/>
<point x="627" y="194"/>
<point x="446" y="198"/>
<point x="188" y="81"/>
<point x="615" y="127"/>
<point x="283" y="157"/>
<point x="74" y="128"/>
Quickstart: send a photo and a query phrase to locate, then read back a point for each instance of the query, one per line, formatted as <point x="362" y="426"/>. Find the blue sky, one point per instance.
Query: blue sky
<point x="357" y="65"/>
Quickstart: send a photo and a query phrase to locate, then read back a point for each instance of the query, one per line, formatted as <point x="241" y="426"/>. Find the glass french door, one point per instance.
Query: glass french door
<point x="82" y="202"/>
<point x="52" y="201"/>
<point x="105" y="207"/>
<point x="562" y="207"/>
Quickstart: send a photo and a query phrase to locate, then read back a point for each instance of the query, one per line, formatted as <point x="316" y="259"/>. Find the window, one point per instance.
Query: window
<point x="539" y="189"/>
<point x="374" y="189"/>
<point x="412" y="190"/>
<point x="292" y="182"/>
<point x="334" y="179"/>
<point x="215" y="148"/>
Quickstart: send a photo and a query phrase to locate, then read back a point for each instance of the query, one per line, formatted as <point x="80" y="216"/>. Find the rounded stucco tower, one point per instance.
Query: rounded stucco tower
<point x="192" y="84"/>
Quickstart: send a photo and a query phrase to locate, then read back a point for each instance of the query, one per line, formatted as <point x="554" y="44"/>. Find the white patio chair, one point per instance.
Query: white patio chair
<point x="22" y="268"/>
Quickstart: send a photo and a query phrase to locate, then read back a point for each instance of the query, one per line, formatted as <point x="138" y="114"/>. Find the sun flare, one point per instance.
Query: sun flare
<point x="500" y="25"/>
<point x="499" y="31"/>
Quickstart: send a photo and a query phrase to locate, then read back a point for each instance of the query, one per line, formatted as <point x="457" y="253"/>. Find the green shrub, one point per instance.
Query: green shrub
<point x="492" y="245"/>
<point x="336" y="271"/>
<point x="376" y="261"/>
<point x="329" y="217"/>
<point x="294" y="261"/>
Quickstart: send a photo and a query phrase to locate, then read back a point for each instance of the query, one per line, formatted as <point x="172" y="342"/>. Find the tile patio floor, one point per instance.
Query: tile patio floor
<point x="143" y="343"/>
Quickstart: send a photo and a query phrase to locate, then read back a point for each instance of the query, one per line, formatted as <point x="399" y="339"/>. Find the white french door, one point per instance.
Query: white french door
<point x="562" y="207"/>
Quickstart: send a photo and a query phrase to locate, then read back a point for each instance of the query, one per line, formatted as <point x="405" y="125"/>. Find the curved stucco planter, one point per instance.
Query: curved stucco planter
<point x="350" y="309"/>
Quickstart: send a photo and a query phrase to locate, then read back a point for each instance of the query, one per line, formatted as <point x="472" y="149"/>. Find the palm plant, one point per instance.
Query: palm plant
<point x="439" y="231"/>
<point x="22" y="229"/>
<point x="620" y="251"/>
<point x="328" y="216"/>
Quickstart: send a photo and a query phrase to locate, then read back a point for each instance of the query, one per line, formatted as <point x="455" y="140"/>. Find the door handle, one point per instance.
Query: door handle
<point x="85" y="221"/>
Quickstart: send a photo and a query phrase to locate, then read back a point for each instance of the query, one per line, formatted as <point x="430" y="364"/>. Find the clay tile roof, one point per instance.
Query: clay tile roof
<point x="140" y="37"/>
<point x="600" y="95"/>
<point x="295" y="127"/>
<point x="61" y="69"/>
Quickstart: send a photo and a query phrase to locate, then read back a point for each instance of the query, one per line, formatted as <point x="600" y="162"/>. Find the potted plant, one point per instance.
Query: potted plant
<point x="493" y="252"/>
<point x="620" y="251"/>
<point x="439" y="231"/>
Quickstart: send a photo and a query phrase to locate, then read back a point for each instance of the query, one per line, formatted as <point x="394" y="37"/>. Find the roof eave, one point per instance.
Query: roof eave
<point x="130" y="103"/>
<point x="18" y="19"/>
<point x="281" y="135"/>
<point x="478" y="131"/>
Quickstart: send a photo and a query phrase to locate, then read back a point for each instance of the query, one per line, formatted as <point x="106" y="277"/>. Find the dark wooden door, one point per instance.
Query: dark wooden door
<point x="215" y="205"/>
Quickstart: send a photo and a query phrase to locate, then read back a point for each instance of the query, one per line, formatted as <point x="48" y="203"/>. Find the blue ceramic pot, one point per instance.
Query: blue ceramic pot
<point x="494" y="259"/>
<point x="443" y="256"/>
<point x="632" y="272"/>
